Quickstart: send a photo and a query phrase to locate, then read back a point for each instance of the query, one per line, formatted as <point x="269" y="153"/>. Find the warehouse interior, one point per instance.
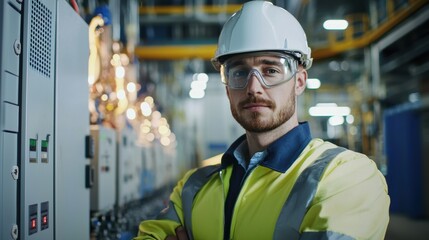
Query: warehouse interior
<point x="105" y="104"/>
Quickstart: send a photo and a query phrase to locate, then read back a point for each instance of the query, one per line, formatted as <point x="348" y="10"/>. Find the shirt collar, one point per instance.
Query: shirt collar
<point x="242" y="151"/>
<point x="281" y="153"/>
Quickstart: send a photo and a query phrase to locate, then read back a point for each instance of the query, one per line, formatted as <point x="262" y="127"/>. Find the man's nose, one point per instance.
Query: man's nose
<point x="254" y="83"/>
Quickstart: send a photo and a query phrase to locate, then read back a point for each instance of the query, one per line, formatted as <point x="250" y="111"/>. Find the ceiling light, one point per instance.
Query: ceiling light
<point x="196" y="93"/>
<point x="326" y="105"/>
<point x="202" y="77"/>
<point x="336" y="120"/>
<point x="335" y="24"/>
<point x="198" y="85"/>
<point x="350" y="119"/>
<point x="328" y="110"/>
<point x="313" y="83"/>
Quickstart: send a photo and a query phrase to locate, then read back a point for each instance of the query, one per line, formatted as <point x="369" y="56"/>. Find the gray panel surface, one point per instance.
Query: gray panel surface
<point x="11" y="88"/>
<point x="72" y="125"/>
<point x="10" y="117"/>
<point x="37" y="114"/>
<point x="9" y="184"/>
<point x="127" y="174"/>
<point x="10" y="28"/>
<point x="103" y="192"/>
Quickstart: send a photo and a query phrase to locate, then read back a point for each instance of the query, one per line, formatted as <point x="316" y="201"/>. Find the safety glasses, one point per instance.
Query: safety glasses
<point x="271" y="69"/>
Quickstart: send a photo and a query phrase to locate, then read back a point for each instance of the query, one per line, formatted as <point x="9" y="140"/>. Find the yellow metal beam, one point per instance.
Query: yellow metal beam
<point x="172" y="52"/>
<point x="230" y="9"/>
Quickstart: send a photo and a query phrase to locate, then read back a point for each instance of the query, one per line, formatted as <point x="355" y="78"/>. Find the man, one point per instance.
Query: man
<point x="274" y="182"/>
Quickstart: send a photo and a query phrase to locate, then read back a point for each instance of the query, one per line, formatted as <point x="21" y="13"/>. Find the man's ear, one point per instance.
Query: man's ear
<point x="301" y="82"/>
<point x="227" y="92"/>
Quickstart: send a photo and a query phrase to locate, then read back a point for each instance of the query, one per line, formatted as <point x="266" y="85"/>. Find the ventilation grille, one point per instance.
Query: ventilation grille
<point x="40" y="38"/>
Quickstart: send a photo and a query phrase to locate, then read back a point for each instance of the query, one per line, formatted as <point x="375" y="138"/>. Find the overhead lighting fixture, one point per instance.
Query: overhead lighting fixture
<point x="336" y="120"/>
<point x="328" y="109"/>
<point x="335" y="24"/>
<point x="350" y="119"/>
<point x="313" y="83"/>
<point x="198" y="85"/>
<point x="196" y="93"/>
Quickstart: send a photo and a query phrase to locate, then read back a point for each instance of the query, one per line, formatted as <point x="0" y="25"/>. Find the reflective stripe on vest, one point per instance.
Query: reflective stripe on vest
<point x="301" y="196"/>
<point x="192" y="186"/>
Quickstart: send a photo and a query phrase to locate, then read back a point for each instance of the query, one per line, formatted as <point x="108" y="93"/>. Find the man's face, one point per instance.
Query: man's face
<point x="258" y="108"/>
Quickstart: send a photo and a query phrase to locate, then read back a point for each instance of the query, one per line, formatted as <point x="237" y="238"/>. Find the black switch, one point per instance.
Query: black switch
<point x="89" y="176"/>
<point x="89" y="147"/>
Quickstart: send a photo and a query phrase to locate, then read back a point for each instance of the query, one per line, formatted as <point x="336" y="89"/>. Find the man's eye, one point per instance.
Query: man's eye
<point x="272" y="71"/>
<point x="239" y="74"/>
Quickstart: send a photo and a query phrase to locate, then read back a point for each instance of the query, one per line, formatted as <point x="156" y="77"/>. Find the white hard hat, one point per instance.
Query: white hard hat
<point x="261" y="26"/>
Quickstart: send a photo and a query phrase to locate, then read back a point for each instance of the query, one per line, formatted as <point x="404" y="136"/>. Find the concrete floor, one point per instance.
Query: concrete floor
<point x="404" y="228"/>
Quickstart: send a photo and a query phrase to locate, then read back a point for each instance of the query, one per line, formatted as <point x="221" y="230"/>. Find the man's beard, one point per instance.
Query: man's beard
<point x="255" y="123"/>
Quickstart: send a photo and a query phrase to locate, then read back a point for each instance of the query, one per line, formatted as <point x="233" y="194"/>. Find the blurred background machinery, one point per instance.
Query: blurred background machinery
<point x="104" y="105"/>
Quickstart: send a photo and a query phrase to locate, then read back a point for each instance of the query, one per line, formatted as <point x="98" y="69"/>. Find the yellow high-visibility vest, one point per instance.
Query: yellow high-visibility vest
<point x="327" y="192"/>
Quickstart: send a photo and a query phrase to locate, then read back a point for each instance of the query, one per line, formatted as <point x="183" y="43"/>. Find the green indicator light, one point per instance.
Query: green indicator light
<point x="33" y="145"/>
<point x="44" y="145"/>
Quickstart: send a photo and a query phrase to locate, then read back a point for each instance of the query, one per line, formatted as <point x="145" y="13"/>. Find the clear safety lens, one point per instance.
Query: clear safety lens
<point x="270" y="70"/>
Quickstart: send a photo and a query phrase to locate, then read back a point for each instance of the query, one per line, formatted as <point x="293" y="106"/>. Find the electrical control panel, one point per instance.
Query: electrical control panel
<point x="127" y="166"/>
<point x="104" y="164"/>
<point x="71" y="126"/>
<point x="37" y="118"/>
<point x="37" y="69"/>
<point x="10" y="49"/>
<point x="147" y="179"/>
